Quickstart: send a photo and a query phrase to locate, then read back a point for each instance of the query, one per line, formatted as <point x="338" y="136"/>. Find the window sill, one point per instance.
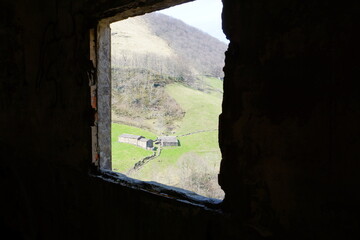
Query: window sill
<point x="174" y="193"/>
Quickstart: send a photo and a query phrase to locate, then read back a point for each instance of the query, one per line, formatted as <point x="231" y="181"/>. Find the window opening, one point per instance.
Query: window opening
<point x="166" y="95"/>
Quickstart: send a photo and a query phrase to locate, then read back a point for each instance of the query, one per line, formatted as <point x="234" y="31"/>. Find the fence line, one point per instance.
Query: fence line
<point x="200" y="131"/>
<point x="145" y="160"/>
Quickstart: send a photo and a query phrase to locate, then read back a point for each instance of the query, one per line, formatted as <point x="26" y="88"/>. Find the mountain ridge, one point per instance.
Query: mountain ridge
<point x="166" y="37"/>
<point x="199" y="48"/>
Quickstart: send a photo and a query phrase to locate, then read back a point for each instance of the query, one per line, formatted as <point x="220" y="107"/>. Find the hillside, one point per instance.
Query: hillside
<point x="200" y="50"/>
<point x="166" y="80"/>
<point x="167" y="45"/>
<point x="134" y="35"/>
<point x="194" y="164"/>
<point x="148" y="53"/>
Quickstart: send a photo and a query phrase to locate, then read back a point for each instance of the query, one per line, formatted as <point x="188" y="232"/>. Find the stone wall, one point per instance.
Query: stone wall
<point x="288" y="132"/>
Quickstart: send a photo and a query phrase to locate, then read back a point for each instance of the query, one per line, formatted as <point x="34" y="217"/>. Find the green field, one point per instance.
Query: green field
<point x="215" y="83"/>
<point x="124" y="155"/>
<point x="215" y="86"/>
<point x="202" y="109"/>
<point x="198" y="155"/>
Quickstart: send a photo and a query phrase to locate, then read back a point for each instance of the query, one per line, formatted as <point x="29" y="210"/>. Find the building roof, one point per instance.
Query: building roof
<point x="168" y="139"/>
<point x="125" y="135"/>
<point x="144" y="139"/>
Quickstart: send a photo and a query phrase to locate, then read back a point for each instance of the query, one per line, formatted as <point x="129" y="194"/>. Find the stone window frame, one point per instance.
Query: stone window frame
<point x="100" y="88"/>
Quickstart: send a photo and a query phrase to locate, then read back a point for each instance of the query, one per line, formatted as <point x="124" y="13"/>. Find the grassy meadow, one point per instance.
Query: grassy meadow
<point x="124" y="155"/>
<point x="193" y="165"/>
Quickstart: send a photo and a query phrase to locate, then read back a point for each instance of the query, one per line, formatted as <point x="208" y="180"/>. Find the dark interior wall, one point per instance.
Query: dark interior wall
<point x="289" y="128"/>
<point x="46" y="190"/>
<point x="288" y="132"/>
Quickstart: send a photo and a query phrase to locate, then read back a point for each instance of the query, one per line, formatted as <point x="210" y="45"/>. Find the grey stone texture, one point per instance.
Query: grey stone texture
<point x="104" y="93"/>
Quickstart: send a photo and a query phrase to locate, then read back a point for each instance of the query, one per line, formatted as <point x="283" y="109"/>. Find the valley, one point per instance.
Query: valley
<point x="158" y="91"/>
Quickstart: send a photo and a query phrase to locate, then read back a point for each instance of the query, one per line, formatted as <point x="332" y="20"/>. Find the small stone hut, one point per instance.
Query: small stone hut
<point x="136" y="140"/>
<point x="167" y="141"/>
<point x="145" y="143"/>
